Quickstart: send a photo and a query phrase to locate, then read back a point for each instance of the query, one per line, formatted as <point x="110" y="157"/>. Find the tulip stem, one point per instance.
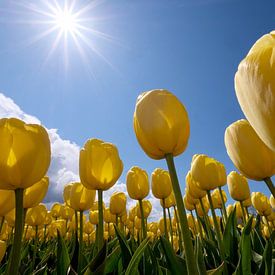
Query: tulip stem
<point x="144" y="231"/>
<point x="194" y="222"/>
<point x="223" y="204"/>
<point x="207" y="223"/>
<point x="17" y="240"/>
<point x="244" y="218"/>
<point x="80" y="242"/>
<point x="100" y="218"/>
<point x="171" y="227"/>
<point x="165" y="221"/>
<point x="186" y="236"/>
<point x="76" y="225"/>
<point x="178" y="226"/>
<point x="270" y="185"/>
<point x="199" y="222"/>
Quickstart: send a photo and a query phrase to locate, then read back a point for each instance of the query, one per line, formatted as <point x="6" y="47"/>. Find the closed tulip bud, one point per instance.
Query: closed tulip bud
<point x="272" y="201"/>
<point x="193" y="187"/>
<point x="88" y="228"/>
<point x="7" y="201"/>
<point x="137" y="223"/>
<point x="66" y="212"/>
<point x="150" y="236"/>
<point x="261" y="203"/>
<point x="216" y="198"/>
<point x="108" y="216"/>
<point x="56" y="210"/>
<point x="133" y="213"/>
<point x="60" y="226"/>
<point x="247" y="202"/>
<point x="161" y="124"/>
<point x="271" y="217"/>
<point x="81" y="198"/>
<point x="3" y="248"/>
<point x="153" y="227"/>
<point x="266" y="232"/>
<point x="187" y="204"/>
<point x="25" y="153"/>
<point x="10" y="217"/>
<point x="239" y="213"/>
<point x="67" y="194"/>
<point x="48" y="218"/>
<point x="137" y="183"/>
<point x="238" y="186"/>
<point x="93" y="216"/>
<point x="34" y="194"/>
<point x="208" y="172"/>
<point x="190" y="199"/>
<point x="36" y="215"/>
<point x="161" y="183"/>
<point x="118" y="203"/>
<point x="147" y="208"/>
<point x="95" y="206"/>
<point x="99" y="165"/>
<point x="255" y="88"/>
<point x="248" y="152"/>
<point x="190" y="221"/>
<point x="229" y="209"/>
<point x="169" y="201"/>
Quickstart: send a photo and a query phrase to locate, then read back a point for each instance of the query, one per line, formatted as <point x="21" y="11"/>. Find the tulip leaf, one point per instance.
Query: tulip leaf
<point x="125" y="249"/>
<point x="173" y="263"/>
<point x="217" y="271"/>
<point x="199" y="257"/>
<point x="74" y="253"/>
<point x="244" y="265"/>
<point x="266" y="264"/>
<point x="112" y="260"/>
<point x="63" y="258"/>
<point x="133" y="265"/>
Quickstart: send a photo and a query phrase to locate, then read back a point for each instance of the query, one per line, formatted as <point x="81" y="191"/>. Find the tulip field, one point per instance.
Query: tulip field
<point x="199" y="231"/>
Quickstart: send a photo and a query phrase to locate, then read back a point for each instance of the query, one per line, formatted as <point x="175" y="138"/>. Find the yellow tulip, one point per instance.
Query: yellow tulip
<point x="137" y="183"/>
<point x="161" y="124"/>
<point x="99" y="165"/>
<point x="58" y="225"/>
<point x="208" y="172"/>
<point x="229" y="208"/>
<point x="108" y="216"/>
<point x="161" y="225"/>
<point x="25" y="153"/>
<point x="66" y="212"/>
<point x="255" y="88"/>
<point x="193" y="187"/>
<point x="10" y="217"/>
<point x="81" y="198"/>
<point x="7" y="201"/>
<point x="216" y="198"/>
<point x="153" y="227"/>
<point x="56" y="210"/>
<point x="93" y="216"/>
<point x="95" y="206"/>
<point x="272" y="201"/>
<point x="48" y="218"/>
<point x="169" y="201"/>
<point x="36" y="215"/>
<point x="238" y="186"/>
<point x="191" y="221"/>
<point x="248" y="152"/>
<point x="247" y="202"/>
<point x="187" y="204"/>
<point x="161" y="183"/>
<point x="137" y="223"/>
<point x="132" y="213"/>
<point x="118" y="203"/>
<point x="88" y="228"/>
<point x="147" y="208"/>
<point x="261" y="203"/>
<point x="3" y="248"/>
<point x="34" y="194"/>
<point x="67" y="194"/>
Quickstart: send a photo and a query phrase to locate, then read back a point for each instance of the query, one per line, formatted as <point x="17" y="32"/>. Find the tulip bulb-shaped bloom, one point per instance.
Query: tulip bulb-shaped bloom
<point x="81" y="198"/>
<point x="238" y="186"/>
<point x="147" y="208"/>
<point x="247" y="202"/>
<point x="56" y="210"/>
<point x="93" y="216"/>
<point x="229" y="208"/>
<point x="10" y="217"/>
<point x="118" y="203"/>
<point x="272" y="201"/>
<point x="217" y="197"/>
<point x="187" y="204"/>
<point x="169" y="201"/>
<point x="161" y="225"/>
<point x="34" y="194"/>
<point x="108" y="216"/>
<point x="255" y="88"/>
<point x="208" y="172"/>
<point x="99" y="165"/>
<point x="67" y="194"/>
<point x="132" y="213"/>
<point x="193" y="187"/>
<point x="137" y="183"/>
<point x="161" y="183"/>
<point x="95" y="206"/>
<point x="7" y="202"/>
<point x="161" y="124"/>
<point x="261" y="203"/>
<point x="36" y="215"/>
<point x="248" y="152"/>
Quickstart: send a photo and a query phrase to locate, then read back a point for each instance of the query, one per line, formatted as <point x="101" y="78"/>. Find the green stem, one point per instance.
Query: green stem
<point x="244" y="217"/>
<point x="207" y="223"/>
<point x="178" y="226"/>
<point x="199" y="222"/>
<point x="186" y="236"/>
<point x="217" y="229"/>
<point x="270" y="185"/>
<point x="76" y="224"/>
<point x="144" y="231"/>
<point x="100" y="219"/>
<point x="165" y="221"/>
<point x="35" y="247"/>
<point x="171" y="227"/>
<point x="117" y="220"/>
<point x="194" y="222"/>
<point x="223" y="204"/>
<point x="17" y="241"/>
<point x="80" y="251"/>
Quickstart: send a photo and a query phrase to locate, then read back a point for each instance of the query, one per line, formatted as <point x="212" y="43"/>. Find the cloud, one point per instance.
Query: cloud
<point x="64" y="163"/>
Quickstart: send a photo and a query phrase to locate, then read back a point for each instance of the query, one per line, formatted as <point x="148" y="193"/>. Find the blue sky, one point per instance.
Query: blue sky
<point x="190" y="47"/>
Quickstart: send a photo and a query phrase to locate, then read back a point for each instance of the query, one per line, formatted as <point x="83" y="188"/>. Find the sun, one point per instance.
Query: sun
<point x="66" y="20"/>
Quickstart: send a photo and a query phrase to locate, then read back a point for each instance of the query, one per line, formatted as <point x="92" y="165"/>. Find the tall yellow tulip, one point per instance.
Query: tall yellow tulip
<point x="255" y="88"/>
<point x="118" y="203"/>
<point x="161" y="183"/>
<point x="35" y="216"/>
<point x="7" y="202"/>
<point x="162" y="129"/>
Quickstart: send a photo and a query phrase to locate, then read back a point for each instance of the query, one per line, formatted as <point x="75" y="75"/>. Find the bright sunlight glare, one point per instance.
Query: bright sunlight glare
<point x="66" y="21"/>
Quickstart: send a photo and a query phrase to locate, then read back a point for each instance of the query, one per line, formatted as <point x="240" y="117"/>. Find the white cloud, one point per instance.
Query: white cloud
<point x="64" y="162"/>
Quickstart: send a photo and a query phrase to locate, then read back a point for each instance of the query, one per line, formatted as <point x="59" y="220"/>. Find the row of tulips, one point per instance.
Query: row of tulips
<point x="115" y="240"/>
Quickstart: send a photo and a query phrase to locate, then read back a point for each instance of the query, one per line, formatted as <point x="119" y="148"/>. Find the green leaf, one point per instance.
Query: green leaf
<point x="125" y="249"/>
<point x="199" y="257"/>
<point x="133" y="265"/>
<point x="112" y="260"/>
<point x="173" y="264"/>
<point x="63" y="258"/>
<point x="266" y="264"/>
<point x="97" y="265"/>
<point x="217" y="271"/>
